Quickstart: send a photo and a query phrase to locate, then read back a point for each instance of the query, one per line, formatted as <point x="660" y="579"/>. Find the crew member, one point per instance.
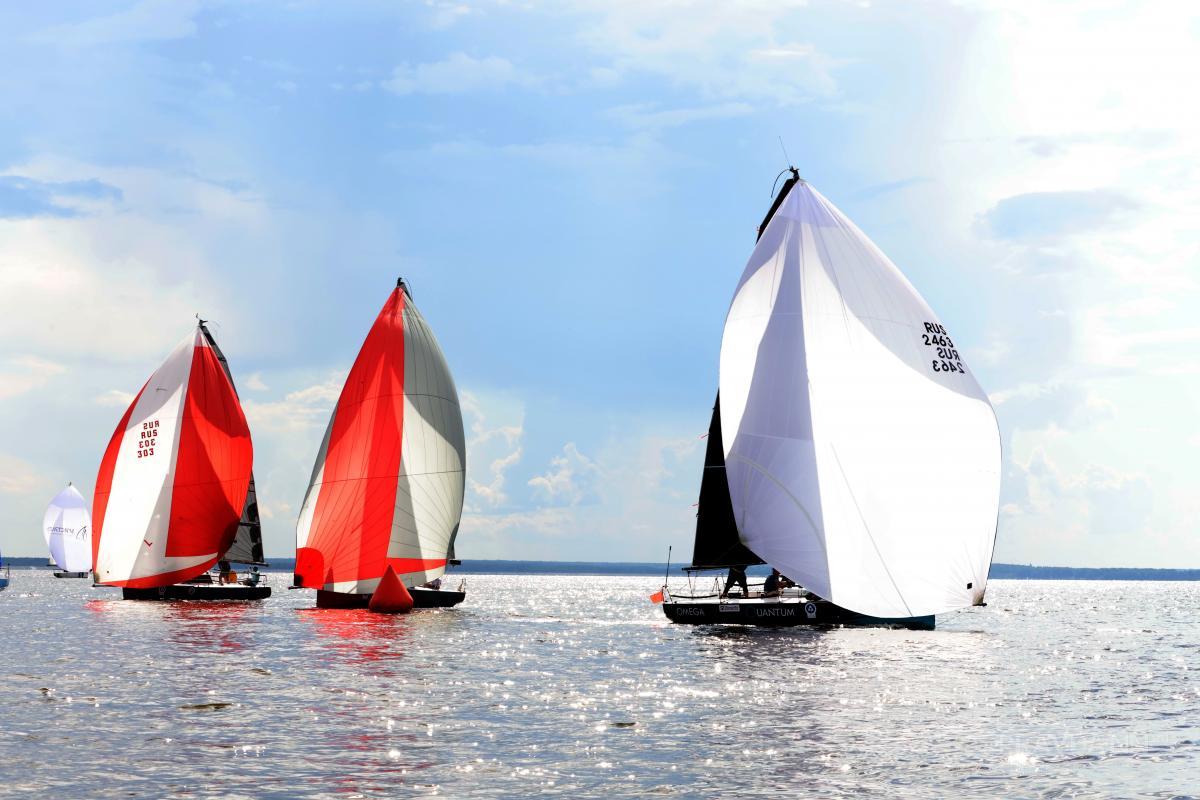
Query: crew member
<point x="737" y="577"/>
<point x="775" y="583"/>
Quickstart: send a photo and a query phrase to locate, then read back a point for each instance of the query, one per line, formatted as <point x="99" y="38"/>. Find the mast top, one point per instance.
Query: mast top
<point x="400" y="284"/>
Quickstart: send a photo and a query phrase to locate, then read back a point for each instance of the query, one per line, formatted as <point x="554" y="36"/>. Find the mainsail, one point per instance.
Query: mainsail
<point x="862" y="458"/>
<point x="67" y="526"/>
<point x="173" y="480"/>
<point x="247" y="547"/>
<point x="387" y="486"/>
<point x="717" y="543"/>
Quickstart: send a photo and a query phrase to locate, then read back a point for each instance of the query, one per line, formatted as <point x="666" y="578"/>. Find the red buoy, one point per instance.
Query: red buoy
<point x="390" y="596"/>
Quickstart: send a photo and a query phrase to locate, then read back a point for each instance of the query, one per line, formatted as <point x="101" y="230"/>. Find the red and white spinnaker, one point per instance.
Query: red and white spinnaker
<point x="387" y="486"/>
<point x="173" y="481"/>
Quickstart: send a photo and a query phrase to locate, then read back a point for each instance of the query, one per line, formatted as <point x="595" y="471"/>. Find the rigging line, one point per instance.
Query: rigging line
<point x="786" y="158"/>
<point x="867" y="528"/>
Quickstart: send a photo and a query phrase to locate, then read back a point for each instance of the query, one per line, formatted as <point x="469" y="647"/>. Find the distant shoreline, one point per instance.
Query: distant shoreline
<point x="599" y="568"/>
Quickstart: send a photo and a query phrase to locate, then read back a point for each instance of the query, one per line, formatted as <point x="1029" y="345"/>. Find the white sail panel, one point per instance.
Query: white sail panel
<point x="429" y="494"/>
<point x="140" y="505"/>
<point x="863" y="458"/>
<point x="68" y="528"/>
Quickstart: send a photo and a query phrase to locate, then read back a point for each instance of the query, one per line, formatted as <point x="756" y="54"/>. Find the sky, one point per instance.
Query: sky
<point x="571" y="189"/>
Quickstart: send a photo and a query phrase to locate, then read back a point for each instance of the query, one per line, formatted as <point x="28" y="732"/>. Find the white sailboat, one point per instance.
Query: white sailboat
<point x="851" y="448"/>
<point x="67" y="526"/>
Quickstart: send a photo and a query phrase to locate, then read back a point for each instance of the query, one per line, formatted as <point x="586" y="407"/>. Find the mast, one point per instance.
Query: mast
<point x="247" y="547"/>
<point x="717" y="544"/>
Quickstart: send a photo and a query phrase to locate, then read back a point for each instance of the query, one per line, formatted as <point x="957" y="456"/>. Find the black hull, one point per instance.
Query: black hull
<point x="205" y="591"/>
<point x="422" y="598"/>
<point x="61" y="574"/>
<point x="785" y="614"/>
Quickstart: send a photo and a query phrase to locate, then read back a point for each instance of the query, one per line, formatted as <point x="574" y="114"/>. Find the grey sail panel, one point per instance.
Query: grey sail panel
<point x="247" y="547"/>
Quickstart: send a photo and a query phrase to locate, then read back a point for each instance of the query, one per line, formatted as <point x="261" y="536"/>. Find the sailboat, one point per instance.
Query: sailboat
<point x="67" y="527"/>
<point x="171" y="493"/>
<point x="850" y="448"/>
<point x="379" y="519"/>
<point x="5" y="574"/>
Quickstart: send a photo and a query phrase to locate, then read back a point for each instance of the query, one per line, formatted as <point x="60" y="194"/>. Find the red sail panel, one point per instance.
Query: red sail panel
<point x="104" y="478"/>
<point x="352" y="520"/>
<point x="212" y="470"/>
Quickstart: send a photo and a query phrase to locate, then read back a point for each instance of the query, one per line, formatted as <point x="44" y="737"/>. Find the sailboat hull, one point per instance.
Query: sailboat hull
<point x="63" y="574"/>
<point x="422" y="598"/>
<point x="782" y="613"/>
<point x="229" y="592"/>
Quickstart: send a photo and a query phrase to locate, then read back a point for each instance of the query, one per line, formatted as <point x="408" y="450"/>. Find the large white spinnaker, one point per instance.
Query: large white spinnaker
<point x="68" y="529"/>
<point x="862" y="457"/>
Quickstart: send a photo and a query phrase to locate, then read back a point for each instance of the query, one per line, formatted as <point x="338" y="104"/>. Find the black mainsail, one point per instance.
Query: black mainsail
<point x="717" y="544"/>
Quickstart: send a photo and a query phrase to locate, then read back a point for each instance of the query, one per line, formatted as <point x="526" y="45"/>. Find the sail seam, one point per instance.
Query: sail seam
<point x="791" y="497"/>
<point x="867" y="528"/>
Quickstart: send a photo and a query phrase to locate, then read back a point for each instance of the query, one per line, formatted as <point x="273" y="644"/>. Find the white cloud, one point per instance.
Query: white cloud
<point x="115" y="398"/>
<point x="19" y="477"/>
<point x="254" y="382"/>
<point x="458" y="73"/>
<point x="648" y="116"/>
<point x="493" y="446"/>
<point x="569" y="481"/>
<point x="722" y="50"/>
<point x="627" y="502"/>
<point x="25" y="373"/>
<point x="145" y="21"/>
<point x="305" y="409"/>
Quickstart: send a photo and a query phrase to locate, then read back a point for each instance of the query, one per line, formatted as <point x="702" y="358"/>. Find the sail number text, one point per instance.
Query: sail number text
<point x="149" y="437"/>
<point x="936" y="338"/>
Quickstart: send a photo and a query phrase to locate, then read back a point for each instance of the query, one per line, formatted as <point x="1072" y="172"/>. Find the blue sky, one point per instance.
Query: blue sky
<point x="572" y="189"/>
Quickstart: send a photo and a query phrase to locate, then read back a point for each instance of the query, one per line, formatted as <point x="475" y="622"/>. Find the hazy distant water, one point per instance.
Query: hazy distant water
<point x="578" y="687"/>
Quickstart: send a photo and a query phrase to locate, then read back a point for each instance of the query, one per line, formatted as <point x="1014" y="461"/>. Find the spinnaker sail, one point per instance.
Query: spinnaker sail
<point x="387" y="486"/>
<point x="173" y="480"/>
<point x="68" y="529"/>
<point x="862" y="457"/>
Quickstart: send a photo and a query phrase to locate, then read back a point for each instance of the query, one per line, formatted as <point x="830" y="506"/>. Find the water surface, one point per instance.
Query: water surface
<point x="578" y="687"/>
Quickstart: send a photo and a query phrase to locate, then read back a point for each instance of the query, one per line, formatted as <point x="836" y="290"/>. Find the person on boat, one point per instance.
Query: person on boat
<point x="737" y="577"/>
<point x="225" y="572"/>
<point x="254" y="577"/>
<point x="775" y="583"/>
<point x="435" y="584"/>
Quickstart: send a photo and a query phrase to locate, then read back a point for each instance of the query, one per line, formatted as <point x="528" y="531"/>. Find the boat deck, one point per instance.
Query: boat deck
<point x="790" y="609"/>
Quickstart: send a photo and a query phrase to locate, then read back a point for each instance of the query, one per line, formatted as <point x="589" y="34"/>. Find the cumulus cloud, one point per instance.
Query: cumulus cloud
<point x="145" y="21"/>
<point x="494" y="445"/>
<point x="115" y="398"/>
<point x="25" y="373"/>
<point x="456" y="74"/>
<point x="732" y="51"/>
<point x="1043" y="215"/>
<point x="23" y="197"/>
<point x="569" y="481"/>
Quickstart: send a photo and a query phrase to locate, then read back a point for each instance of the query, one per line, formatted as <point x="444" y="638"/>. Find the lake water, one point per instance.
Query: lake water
<point x="578" y="687"/>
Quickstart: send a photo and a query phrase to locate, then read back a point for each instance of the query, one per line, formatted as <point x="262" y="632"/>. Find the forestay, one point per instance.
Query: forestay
<point x="863" y="458"/>
<point x="387" y="485"/>
<point x="173" y="480"/>
<point x="68" y="529"/>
